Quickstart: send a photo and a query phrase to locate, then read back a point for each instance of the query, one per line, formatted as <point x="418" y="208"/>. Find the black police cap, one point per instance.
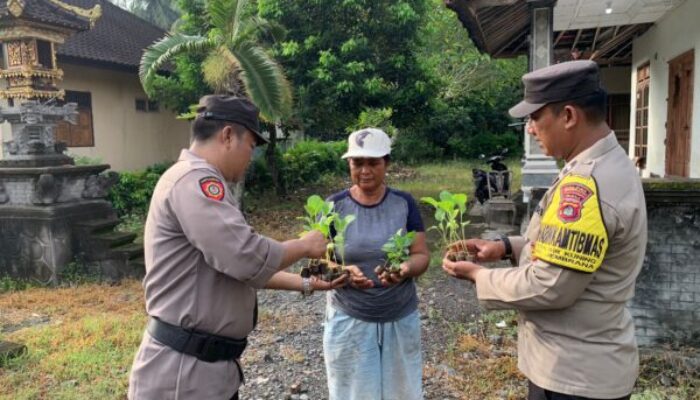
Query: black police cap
<point x="233" y="109"/>
<point x="559" y="82"/>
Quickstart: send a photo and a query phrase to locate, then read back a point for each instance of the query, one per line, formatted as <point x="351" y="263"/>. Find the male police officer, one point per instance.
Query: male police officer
<point x="204" y="263"/>
<point x="582" y="251"/>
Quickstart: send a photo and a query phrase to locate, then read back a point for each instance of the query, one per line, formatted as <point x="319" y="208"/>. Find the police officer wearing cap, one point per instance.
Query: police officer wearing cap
<point x="204" y="263"/>
<point x="583" y="249"/>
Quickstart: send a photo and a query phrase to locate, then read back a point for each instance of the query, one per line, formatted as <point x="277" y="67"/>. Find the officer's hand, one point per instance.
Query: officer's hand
<point x="392" y="278"/>
<point x="485" y="250"/>
<point x="320" y="284"/>
<point x="314" y="244"/>
<point x="358" y="280"/>
<point x="461" y="269"/>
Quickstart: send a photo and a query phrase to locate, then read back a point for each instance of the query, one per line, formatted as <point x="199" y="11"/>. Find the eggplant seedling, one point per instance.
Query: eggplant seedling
<point x="449" y="215"/>
<point x="397" y="250"/>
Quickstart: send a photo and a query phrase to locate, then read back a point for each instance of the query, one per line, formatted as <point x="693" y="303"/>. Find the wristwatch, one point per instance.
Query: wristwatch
<point x="306" y="288"/>
<point x="509" y="247"/>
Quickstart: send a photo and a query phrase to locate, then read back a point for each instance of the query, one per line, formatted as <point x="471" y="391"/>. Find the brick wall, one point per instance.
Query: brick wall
<point x="666" y="305"/>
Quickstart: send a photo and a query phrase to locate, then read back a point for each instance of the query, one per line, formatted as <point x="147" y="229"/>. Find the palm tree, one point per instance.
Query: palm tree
<point x="235" y="63"/>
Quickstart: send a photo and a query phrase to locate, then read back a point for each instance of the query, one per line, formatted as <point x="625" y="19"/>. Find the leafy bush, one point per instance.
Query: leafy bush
<point x="306" y="161"/>
<point x="460" y="128"/>
<point x="412" y="147"/>
<point x="132" y="194"/>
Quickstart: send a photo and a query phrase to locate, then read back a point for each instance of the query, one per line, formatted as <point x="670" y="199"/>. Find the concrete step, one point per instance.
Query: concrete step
<point x="135" y="268"/>
<point x="130" y="251"/>
<point x="115" y="239"/>
<point x="99" y="225"/>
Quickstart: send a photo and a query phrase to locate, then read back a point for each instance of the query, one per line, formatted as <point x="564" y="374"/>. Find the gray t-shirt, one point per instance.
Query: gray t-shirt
<point x="364" y="239"/>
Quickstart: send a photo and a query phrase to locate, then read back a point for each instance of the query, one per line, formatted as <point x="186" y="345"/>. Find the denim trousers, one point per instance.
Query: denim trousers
<point x="372" y="361"/>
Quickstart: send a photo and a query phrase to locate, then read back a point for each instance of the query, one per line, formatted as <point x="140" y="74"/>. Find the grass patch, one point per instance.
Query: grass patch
<point x="482" y="358"/>
<point x="83" y="351"/>
<point x="453" y="176"/>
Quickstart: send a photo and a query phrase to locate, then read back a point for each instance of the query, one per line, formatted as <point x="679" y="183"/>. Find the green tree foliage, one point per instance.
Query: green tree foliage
<point x="346" y="57"/>
<point x="469" y="114"/>
<point x="184" y="84"/>
<point x="235" y="61"/>
<point x="461" y="69"/>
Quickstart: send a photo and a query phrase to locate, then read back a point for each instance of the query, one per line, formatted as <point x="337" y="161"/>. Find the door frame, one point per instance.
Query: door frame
<point x="678" y="158"/>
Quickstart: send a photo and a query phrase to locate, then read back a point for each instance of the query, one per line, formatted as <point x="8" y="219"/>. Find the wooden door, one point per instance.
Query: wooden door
<point x="680" y="112"/>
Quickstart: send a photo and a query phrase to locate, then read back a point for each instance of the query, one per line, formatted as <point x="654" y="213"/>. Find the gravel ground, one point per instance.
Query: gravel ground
<point x="285" y="356"/>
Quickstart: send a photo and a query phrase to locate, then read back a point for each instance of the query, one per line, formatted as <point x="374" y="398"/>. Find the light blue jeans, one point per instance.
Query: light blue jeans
<point x="373" y="361"/>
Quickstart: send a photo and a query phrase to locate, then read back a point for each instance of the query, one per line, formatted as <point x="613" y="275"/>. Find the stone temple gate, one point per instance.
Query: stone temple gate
<point x="52" y="212"/>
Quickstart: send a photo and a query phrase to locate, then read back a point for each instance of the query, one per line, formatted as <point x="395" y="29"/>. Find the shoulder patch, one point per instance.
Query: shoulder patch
<point x="572" y="196"/>
<point x="572" y="231"/>
<point x="212" y="187"/>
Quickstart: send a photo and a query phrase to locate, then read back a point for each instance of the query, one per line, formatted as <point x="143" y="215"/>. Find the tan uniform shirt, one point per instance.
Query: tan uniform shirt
<point x="203" y="265"/>
<point x="575" y="334"/>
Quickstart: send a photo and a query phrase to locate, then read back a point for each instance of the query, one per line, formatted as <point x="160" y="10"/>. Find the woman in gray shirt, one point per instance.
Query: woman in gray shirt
<point x="371" y="339"/>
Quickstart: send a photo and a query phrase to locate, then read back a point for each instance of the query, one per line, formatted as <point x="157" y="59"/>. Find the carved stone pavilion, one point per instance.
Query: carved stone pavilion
<point x="52" y="212"/>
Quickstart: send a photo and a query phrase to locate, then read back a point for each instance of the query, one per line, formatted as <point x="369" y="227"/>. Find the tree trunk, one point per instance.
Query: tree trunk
<point x="271" y="160"/>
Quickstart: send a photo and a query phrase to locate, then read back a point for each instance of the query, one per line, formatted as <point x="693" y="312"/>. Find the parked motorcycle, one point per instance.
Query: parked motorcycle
<point x="482" y="179"/>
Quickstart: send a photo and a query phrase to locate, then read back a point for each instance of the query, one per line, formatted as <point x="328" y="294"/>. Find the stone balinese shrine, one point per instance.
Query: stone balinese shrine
<point x="52" y="212"/>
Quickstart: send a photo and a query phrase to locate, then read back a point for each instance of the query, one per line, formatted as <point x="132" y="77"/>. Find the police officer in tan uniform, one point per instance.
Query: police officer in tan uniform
<point x="583" y="249"/>
<point x="204" y="263"/>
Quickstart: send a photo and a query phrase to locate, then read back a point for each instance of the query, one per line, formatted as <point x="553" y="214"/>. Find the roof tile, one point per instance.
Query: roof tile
<point x="118" y="38"/>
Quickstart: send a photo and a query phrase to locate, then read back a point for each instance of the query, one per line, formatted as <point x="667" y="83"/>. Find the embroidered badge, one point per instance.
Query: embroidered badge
<point x="573" y="195"/>
<point x="212" y="188"/>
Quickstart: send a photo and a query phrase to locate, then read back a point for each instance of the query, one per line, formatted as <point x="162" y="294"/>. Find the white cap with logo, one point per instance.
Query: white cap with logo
<point x="368" y="142"/>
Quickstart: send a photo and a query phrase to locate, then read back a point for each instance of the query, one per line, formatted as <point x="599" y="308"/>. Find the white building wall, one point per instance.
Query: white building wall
<point x="124" y="138"/>
<point x="671" y="36"/>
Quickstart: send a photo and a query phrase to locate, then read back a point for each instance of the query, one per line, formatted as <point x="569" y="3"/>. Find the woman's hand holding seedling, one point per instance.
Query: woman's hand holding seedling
<point x="389" y="278"/>
<point x="358" y="280"/>
<point x="398" y="252"/>
<point x="320" y="284"/>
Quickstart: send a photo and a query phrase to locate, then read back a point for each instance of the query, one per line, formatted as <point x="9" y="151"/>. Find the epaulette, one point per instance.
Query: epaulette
<point x="584" y="169"/>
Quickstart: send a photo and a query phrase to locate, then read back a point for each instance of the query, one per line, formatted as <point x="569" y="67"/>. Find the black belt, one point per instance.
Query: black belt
<point x="204" y="346"/>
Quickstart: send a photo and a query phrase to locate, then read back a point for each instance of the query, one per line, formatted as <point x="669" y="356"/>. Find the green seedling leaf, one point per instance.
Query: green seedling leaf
<point x="430" y="201"/>
<point x="449" y="214"/>
<point x="398" y="249"/>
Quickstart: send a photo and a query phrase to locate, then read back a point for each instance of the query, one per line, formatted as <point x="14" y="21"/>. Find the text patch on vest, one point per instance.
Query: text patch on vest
<point x="572" y="231"/>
